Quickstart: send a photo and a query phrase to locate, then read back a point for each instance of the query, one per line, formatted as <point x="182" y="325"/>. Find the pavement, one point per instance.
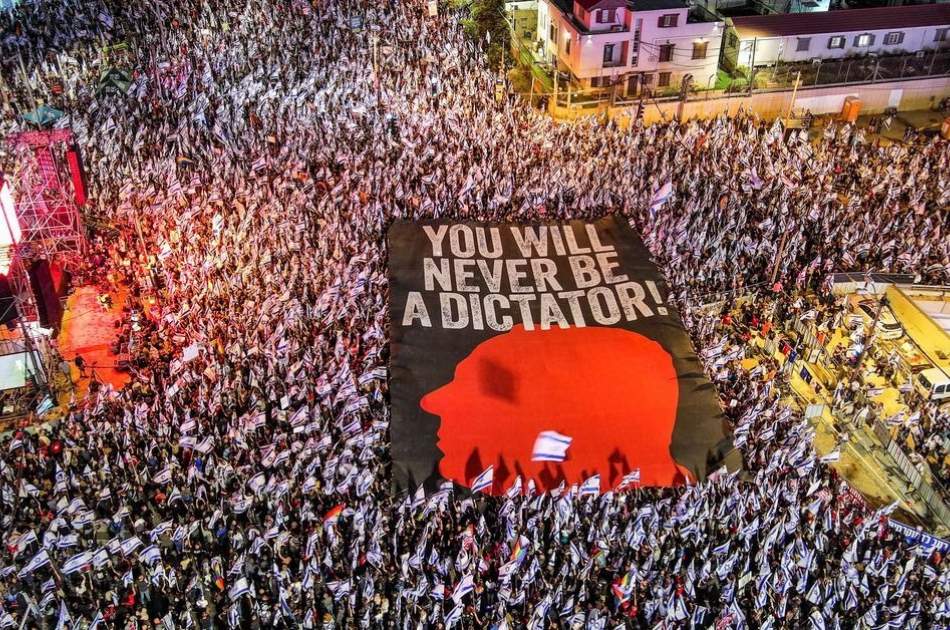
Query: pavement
<point x="920" y="120"/>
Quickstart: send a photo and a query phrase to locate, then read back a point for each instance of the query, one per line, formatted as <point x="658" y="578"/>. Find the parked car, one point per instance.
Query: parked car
<point x="887" y="325"/>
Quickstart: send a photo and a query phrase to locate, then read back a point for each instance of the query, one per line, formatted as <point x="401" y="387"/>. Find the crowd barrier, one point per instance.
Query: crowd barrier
<point x="916" y="537"/>
<point x="924" y="489"/>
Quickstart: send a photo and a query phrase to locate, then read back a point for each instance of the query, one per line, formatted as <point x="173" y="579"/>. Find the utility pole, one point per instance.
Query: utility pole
<point x="778" y="257"/>
<point x="755" y="42"/>
<point x="791" y="106"/>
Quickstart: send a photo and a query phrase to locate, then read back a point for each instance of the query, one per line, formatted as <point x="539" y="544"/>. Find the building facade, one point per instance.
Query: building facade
<point x="765" y="40"/>
<point x="632" y="46"/>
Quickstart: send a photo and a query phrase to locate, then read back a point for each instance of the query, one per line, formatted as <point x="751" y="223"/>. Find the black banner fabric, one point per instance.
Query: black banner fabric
<point x="549" y="352"/>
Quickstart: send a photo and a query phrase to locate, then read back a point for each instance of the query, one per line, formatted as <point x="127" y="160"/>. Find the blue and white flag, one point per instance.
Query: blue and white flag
<point x="257" y="483"/>
<point x="150" y="555"/>
<point x="77" y="563"/>
<point x="591" y="486"/>
<point x="239" y="588"/>
<point x="465" y="586"/>
<point x="485" y="480"/>
<point x="454" y="616"/>
<point x="660" y="197"/>
<point x="38" y="561"/>
<point x="550" y="446"/>
<point x="339" y="588"/>
<point x="632" y="477"/>
<point x="64" y="616"/>
<point x="163" y="476"/>
<point x="129" y="545"/>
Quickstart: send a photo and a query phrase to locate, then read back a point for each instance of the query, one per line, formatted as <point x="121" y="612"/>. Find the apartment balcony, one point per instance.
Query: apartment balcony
<point x="601" y="30"/>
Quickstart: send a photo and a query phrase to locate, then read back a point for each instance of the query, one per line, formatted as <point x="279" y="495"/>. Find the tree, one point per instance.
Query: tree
<point x="487" y="25"/>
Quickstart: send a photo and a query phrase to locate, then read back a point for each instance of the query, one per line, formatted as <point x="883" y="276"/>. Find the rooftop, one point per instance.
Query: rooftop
<point x="567" y="6"/>
<point x="843" y="21"/>
<point x="656" y="5"/>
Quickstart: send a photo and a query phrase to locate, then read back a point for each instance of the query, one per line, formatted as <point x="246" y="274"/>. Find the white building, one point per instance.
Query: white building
<point x="763" y="40"/>
<point x="630" y="44"/>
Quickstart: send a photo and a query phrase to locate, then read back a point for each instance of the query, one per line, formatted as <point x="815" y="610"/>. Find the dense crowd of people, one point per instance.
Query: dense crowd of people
<point x="242" y="188"/>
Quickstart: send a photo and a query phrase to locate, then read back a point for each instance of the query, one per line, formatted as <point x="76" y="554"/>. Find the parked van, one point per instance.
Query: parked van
<point x="933" y="384"/>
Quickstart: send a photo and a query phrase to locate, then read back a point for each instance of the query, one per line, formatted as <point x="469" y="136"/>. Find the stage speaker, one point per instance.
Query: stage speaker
<point x="61" y="279"/>
<point x="79" y="177"/>
<point x="48" y="307"/>
<point x="8" y="310"/>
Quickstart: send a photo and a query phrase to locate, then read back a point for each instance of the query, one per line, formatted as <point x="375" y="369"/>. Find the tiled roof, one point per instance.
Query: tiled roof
<point x="843" y="21"/>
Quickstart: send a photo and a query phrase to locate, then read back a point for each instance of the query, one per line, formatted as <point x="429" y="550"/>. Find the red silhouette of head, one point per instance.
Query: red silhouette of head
<point x="613" y="391"/>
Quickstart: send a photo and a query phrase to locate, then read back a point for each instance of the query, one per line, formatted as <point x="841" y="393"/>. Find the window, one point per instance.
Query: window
<point x="668" y="21"/>
<point x="893" y="39"/>
<point x="553" y="33"/>
<point x="804" y="43"/>
<point x="699" y="50"/>
<point x="666" y="52"/>
<point x="863" y="41"/>
<point x="942" y="35"/>
<point x="647" y="79"/>
<point x="664" y="80"/>
<point x="733" y="40"/>
<point x="567" y="47"/>
<point x="595" y="82"/>
<point x="836" y="42"/>
<point x="608" y="53"/>
<point x="606" y="16"/>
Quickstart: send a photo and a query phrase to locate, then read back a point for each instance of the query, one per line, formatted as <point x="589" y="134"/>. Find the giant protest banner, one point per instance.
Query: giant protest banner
<point x="506" y="335"/>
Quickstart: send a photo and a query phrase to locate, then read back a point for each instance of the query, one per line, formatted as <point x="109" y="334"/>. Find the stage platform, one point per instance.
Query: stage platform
<point x="89" y="331"/>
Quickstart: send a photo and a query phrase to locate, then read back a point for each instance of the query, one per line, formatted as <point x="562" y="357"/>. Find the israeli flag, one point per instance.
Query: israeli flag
<point x="77" y="563"/>
<point x="130" y="545"/>
<point x="464" y="587"/>
<point x="256" y="483"/>
<point x="150" y="555"/>
<point x="591" y="486"/>
<point x="64" y="616"/>
<point x="163" y="476"/>
<point x="339" y="588"/>
<point x="550" y="446"/>
<point x="454" y="616"/>
<point x="630" y="478"/>
<point x="699" y="613"/>
<point x="660" y="197"/>
<point x="239" y="588"/>
<point x="485" y="480"/>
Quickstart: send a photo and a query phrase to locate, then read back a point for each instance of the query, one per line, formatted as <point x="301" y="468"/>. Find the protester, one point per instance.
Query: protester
<point x="247" y="179"/>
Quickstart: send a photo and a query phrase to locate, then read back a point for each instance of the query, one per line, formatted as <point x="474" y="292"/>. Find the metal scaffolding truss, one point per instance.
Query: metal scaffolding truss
<point x="50" y="223"/>
<point x="50" y="227"/>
